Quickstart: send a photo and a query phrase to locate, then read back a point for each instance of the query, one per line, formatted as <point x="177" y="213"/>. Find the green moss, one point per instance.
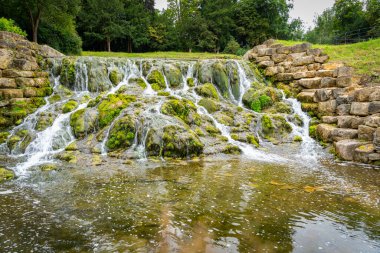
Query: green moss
<point x="83" y="122"/>
<point x="212" y="130"/>
<point x="313" y="131"/>
<point x="70" y="106"/>
<point x="115" y="77"/>
<point x="122" y="134"/>
<point x="72" y="146"/>
<point x="110" y="107"/>
<point x="163" y="93"/>
<point x="67" y="71"/>
<point x="94" y="102"/>
<point x="256" y="106"/>
<point x="253" y="140"/>
<point x="297" y="138"/>
<point x="235" y="137"/>
<point x="4" y="136"/>
<point x="190" y="82"/>
<point x="6" y="174"/>
<point x="156" y="80"/>
<point x="210" y="105"/>
<point x="207" y="90"/>
<point x="68" y="156"/>
<point x="231" y="149"/>
<point x="48" y="167"/>
<point x="199" y="132"/>
<point x="55" y="98"/>
<point x="310" y="107"/>
<point x="64" y="91"/>
<point x="266" y="124"/>
<point x="44" y="121"/>
<point x="261" y="99"/>
<point x="281" y="107"/>
<point x="183" y="109"/>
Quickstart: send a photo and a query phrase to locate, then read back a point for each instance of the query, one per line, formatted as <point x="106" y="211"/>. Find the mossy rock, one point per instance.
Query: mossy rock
<point x="156" y="80"/>
<point x="190" y="82"/>
<point x="83" y="122"/>
<point x="122" y="134"/>
<point x="3" y="136"/>
<point x="313" y="131"/>
<point x="111" y="107"/>
<point x="261" y="99"/>
<point x="220" y="78"/>
<point x="48" y="167"/>
<point x="252" y="139"/>
<point x="297" y="138"/>
<point x="70" y="106"/>
<point x="280" y="107"/>
<point x="173" y="75"/>
<point x="163" y="93"/>
<point x="64" y="91"/>
<point x="67" y="75"/>
<point x="310" y="108"/>
<point x="224" y="118"/>
<point x="68" y="156"/>
<point x="115" y="76"/>
<point x="6" y="175"/>
<point x="178" y="142"/>
<point x="54" y="99"/>
<point x="183" y="109"/>
<point x="44" y="121"/>
<point x="207" y="90"/>
<point x="209" y="104"/>
<point x="212" y="130"/>
<point x="275" y="128"/>
<point x="19" y="140"/>
<point x="94" y="102"/>
<point x="72" y="146"/>
<point x="231" y="149"/>
<point x="139" y="81"/>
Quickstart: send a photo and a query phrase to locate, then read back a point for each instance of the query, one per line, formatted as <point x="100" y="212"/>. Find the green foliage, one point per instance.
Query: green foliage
<point x="313" y="131"/>
<point x="256" y="105"/>
<point x="232" y="47"/>
<point x="10" y="26"/>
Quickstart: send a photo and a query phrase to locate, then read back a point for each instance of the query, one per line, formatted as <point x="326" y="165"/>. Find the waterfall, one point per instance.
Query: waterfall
<point x="91" y="82"/>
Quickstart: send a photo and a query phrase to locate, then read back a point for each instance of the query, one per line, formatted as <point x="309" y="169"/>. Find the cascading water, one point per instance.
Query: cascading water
<point x="88" y="83"/>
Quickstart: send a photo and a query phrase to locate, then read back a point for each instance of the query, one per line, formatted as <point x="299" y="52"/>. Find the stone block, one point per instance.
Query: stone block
<point x="6" y="83"/>
<point x="41" y="82"/>
<point x="349" y="121"/>
<point x="25" y="82"/>
<point x="314" y="66"/>
<point x="277" y="58"/>
<point x="300" y="48"/>
<point x="375" y="96"/>
<point x="270" y="51"/>
<point x="23" y="64"/>
<point x="372" y="121"/>
<point x="362" y="95"/>
<point x="314" y="51"/>
<point x="284" y="77"/>
<point x="13" y="73"/>
<point x="331" y="65"/>
<point x="360" y="109"/>
<point x="11" y="93"/>
<point x="344" y="81"/>
<point x="284" y="50"/>
<point x="298" y="69"/>
<point x="262" y="58"/>
<point x="343" y="109"/>
<point x="6" y="56"/>
<point x="266" y="64"/>
<point x="324" y="132"/>
<point x="325" y="73"/>
<point x="345" y="149"/>
<point x="329" y="119"/>
<point x="339" y="134"/>
<point x="362" y="153"/>
<point x="376" y="137"/>
<point x="344" y="71"/>
<point x="344" y="99"/>
<point x="306" y="96"/>
<point x="321" y="59"/>
<point x="322" y="95"/>
<point x="374" y="107"/>
<point x="327" y="107"/>
<point x="366" y="133"/>
<point x="310" y="83"/>
<point x="294" y="56"/>
<point x="302" y="61"/>
<point x="374" y="157"/>
<point x="307" y="74"/>
<point x="327" y="82"/>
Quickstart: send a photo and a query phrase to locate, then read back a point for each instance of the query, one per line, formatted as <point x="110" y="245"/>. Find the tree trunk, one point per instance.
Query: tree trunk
<point x="129" y="46"/>
<point x="35" y="24"/>
<point x="108" y="44"/>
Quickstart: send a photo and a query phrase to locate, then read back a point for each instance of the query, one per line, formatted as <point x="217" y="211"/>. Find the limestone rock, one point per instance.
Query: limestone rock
<point x="344" y="81"/>
<point x="324" y="132"/>
<point x="345" y="149"/>
<point x="360" y="109"/>
<point x="344" y="133"/>
<point x="343" y="109"/>
<point x="303" y="61"/>
<point x="362" y="95"/>
<point x="366" y="132"/>
<point x="374" y="107"/>
<point x="310" y="83"/>
<point x="327" y="107"/>
<point x="328" y="82"/>
<point x="329" y="119"/>
<point x="321" y="59"/>
<point x="349" y="121"/>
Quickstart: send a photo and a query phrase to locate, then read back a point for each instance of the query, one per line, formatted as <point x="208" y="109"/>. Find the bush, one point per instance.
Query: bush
<point x="232" y="47"/>
<point x="10" y="26"/>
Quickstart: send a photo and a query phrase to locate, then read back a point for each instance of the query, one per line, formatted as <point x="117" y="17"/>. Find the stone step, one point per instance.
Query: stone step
<point x="345" y="149"/>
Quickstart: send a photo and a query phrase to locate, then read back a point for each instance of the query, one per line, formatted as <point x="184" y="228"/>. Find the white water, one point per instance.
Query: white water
<point x="55" y="138"/>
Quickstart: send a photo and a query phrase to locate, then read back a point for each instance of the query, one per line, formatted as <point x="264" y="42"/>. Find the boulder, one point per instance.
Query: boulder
<point x="362" y="95"/>
<point x="327" y="107"/>
<point x="344" y="134"/>
<point x="344" y="71"/>
<point x="310" y="83"/>
<point x="344" y="99"/>
<point x="300" y="48"/>
<point x="83" y="122"/>
<point x="314" y="66"/>
<point x="284" y="50"/>
<point x="325" y="73"/>
<point x="362" y="152"/>
<point x="366" y="133"/>
<point x="349" y="121"/>
<point x="343" y="109"/>
<point x="302" y="61"/>
<point x="372" y="121"/>
<point x="324" y="132"/>
<point x="6" y="57"/>
<point x="284" y="77"/>
<point x="360" y="109"/>
<point x="7" y="83"/>
<point x="376" y="137"/>
<point x="345" y="149"/>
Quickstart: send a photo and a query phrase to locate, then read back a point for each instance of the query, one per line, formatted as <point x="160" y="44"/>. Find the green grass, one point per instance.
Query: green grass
<point x="364" y="57"/>
<point x="165" y="55"/>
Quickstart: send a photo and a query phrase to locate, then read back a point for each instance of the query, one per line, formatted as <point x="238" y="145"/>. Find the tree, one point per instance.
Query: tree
<point x="10" y="26"/>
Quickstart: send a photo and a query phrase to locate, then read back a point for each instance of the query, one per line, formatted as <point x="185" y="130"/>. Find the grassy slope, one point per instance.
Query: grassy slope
<point x="171" y="55"/>
<point x="363" y="56"/>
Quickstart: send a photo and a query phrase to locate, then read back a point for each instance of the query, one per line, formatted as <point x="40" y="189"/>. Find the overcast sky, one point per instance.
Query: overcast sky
<point x="305" y="9"/>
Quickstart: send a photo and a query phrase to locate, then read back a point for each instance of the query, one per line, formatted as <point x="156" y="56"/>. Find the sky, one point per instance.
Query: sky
<point x="305" y="9"/>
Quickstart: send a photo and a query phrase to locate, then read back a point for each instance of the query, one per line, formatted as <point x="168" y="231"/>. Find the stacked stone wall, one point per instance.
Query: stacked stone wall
<point x="347" y="106"/>
<point x="23" y="82"/>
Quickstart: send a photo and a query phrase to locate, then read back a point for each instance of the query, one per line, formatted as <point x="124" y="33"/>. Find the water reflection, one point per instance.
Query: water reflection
<point x="201" y="206"/>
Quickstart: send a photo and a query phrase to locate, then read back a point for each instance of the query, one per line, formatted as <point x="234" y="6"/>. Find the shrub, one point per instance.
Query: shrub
<point x="10" y="26"/>
<point x="232" y="47"/>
